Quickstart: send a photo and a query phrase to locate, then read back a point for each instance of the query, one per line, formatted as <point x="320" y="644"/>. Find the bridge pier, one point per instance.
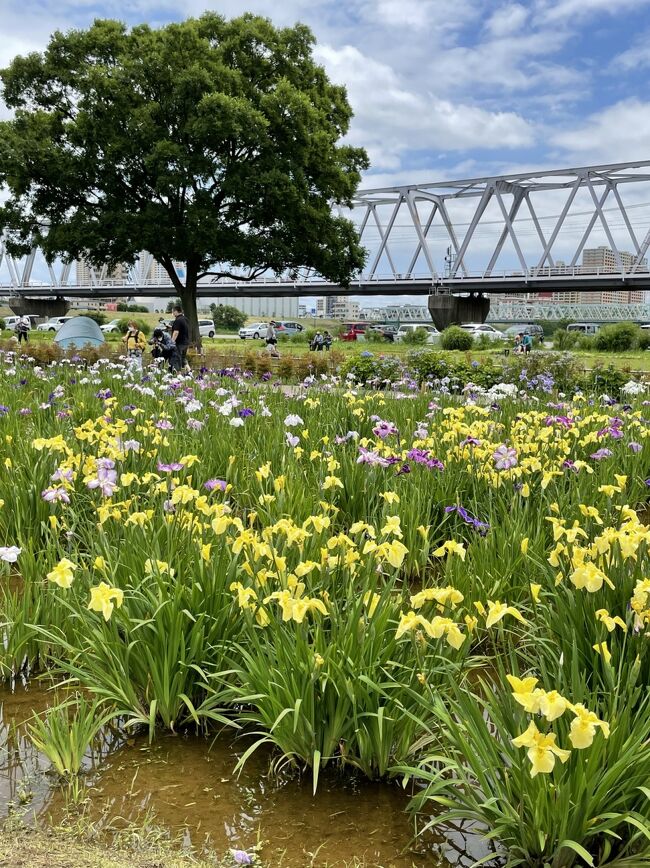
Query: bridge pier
<point x="449" y="310"/>
<point x="42" y="307"/>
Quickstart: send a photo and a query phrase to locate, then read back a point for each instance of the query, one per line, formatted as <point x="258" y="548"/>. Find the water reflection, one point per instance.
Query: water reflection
<point x="189" y="785"/>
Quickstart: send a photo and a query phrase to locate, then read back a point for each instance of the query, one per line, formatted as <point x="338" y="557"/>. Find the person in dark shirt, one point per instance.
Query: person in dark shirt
<point x="181" y="338"/>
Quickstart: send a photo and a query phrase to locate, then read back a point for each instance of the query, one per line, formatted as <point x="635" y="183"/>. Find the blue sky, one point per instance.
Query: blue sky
<point x="440" y="88"/>
<point x="447" y="88"/>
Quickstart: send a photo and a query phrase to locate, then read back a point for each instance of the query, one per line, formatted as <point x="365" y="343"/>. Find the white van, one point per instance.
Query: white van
<point x="585" y="328"/>
<point x="433" y="335"/>
<point x="206" y="328"/>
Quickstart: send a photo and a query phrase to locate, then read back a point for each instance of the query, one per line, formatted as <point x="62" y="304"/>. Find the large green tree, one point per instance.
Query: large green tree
<point x="212" y="142"/>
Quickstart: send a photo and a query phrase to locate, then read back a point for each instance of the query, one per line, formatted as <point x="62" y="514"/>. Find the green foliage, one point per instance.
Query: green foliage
<point x="98" y="316"/>
<point x="3" y="324"/>
<point x="204" y="141"/>
<point x="171" y="304"/>
<point x="416" y="337"/>
<point x="564" y="340"/>
<point x="606" y="378"/>
<point x="370" y="368"/>
<point x="123" y="325"/>
<point x="456" y="338"/>
<point x="66" y="732"/>
<point x="643" y="342"/>
<point x="617" y="338"/>
<point x="225" y="316"/>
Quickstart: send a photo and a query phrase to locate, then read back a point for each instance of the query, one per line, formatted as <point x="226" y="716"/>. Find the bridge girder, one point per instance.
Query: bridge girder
<point x="412" y="265"/>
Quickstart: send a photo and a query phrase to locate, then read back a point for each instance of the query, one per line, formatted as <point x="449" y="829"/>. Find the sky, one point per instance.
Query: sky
<point x="442" y="88"/>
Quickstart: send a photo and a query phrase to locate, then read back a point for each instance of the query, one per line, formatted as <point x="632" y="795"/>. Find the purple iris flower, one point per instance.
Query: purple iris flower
<point x="170" y="468"/>
<point x="213" y="484"/>
<point x="634" y="446"/>
<point x="505" y="457"/>
<point x="367" y="456"/>
<point x="55" y="495"/>
<point x="292" y="439"/>
<point x="384" y="429"/>
<point x="601" y="453"/>
<point x="246" y="412"/>
<point x="164" y="425"/>
<point x="480" y="526"/>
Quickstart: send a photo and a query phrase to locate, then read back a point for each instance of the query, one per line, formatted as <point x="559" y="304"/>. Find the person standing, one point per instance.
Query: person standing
<point x="527" y="342"/>
<point x="22" y="328"/>
<point x="272" y="340"/>
<point x="135" y="343"/>
<point x="181" y="339"/>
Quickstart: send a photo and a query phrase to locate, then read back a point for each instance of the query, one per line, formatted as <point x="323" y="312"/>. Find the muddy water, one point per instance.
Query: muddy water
<point x="189" y="786"/>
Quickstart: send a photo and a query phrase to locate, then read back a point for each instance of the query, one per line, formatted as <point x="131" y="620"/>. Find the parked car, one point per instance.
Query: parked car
<point x="206" y="328"/>
<point x="536" y="331"/>
<point x="585" y="328"/>
<point x="288" y="328"/>
<point x="353" y="334"/>
<point x="253" y="332"/>
<point x="433" y="335"/>
<point x="112" y="326"/>
<point x="480" y="329"/>
<point x="52" y="325"/>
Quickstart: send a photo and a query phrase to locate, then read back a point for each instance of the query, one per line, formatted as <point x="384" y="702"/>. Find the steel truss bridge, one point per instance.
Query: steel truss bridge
<point x="519" y="233"/>
<point x="520" y="311"/>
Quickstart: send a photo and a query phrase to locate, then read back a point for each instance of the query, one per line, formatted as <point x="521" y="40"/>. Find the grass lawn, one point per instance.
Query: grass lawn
<point x="637" y="360"/>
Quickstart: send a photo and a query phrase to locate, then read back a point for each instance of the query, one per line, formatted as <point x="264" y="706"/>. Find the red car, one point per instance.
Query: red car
<point x="351" y="334"/>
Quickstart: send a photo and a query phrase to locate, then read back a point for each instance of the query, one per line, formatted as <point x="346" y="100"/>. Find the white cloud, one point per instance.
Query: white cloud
<point x="391" y="119"/>
<point x="635" y="57"/>
<point x="555" y="10"/>
<point x="614" y="134"/>
<point x="507" y="19"/>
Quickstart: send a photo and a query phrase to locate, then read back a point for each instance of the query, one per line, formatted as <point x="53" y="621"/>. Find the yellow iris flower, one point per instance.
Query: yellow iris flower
<point x="103" y="598"/>
<point x="63" y="573"/>
<point x="542" y="750"/>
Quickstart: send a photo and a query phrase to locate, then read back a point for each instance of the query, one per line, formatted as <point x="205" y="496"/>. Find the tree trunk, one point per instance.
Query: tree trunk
<point x="187" y="295"/>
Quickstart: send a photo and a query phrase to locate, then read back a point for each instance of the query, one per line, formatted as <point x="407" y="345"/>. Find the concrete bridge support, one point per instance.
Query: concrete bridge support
<point x="449" y="310"/>
<point x="42" y="307"/>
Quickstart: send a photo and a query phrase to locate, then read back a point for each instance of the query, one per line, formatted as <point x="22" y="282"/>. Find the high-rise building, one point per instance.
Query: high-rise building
<point x="87" y="275"/>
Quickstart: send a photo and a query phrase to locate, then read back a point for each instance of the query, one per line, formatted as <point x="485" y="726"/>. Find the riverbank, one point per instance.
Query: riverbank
<point x="30" y="848"/>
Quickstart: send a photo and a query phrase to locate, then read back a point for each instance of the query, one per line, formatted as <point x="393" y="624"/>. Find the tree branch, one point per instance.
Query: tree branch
<point x="253" y="275"/>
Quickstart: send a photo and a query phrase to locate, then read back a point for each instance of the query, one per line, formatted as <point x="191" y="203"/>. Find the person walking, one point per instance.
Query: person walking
<point x="272" y="340"/>
<point x="180" y="338"/>
<point x="22" y="328"/>
<point x="527" y="342"/>
<point x="327" y="340"/>
<point x="317" y="343"/>
<point x="135" y="344"/>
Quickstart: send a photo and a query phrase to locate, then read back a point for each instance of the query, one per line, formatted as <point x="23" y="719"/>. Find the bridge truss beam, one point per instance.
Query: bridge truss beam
<point x="473" y="235"/>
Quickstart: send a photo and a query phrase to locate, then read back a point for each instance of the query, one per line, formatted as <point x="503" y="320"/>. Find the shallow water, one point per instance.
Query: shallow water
<point x="189" y="785"/>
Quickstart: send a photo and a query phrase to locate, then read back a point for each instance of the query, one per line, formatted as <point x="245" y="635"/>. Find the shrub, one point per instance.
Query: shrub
<point x="123" y="325"/>
<point x="3" y="324"/>
<point x="564" y="340"/>
<point x="97" y="316"/>
<point x="371" y="368"/>
<point x="456" y="338"/>
<point x="643" y="342"/>
<point x="607" y="379"/>
<point x="226" y="316"/>
<point x="617" y="338"/>
<point x="587" y="343"/>
<point x="416" y="337"/>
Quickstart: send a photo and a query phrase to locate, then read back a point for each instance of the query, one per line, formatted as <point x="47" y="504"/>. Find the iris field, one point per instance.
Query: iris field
<point x="451" y="591"/>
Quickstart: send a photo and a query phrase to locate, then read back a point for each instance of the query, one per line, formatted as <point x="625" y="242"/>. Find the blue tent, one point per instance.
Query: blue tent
<point x="79" y="332"/>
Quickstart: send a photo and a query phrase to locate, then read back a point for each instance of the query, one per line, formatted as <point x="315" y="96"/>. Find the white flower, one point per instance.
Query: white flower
<point x="292" y="420"/>
<point x="236" y="422"/>
<point x="9" y="554"/>
<point x="633" y="388"/>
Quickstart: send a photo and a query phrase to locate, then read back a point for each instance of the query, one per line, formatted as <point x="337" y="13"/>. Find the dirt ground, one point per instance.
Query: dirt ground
<point x="36" y="849"/>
